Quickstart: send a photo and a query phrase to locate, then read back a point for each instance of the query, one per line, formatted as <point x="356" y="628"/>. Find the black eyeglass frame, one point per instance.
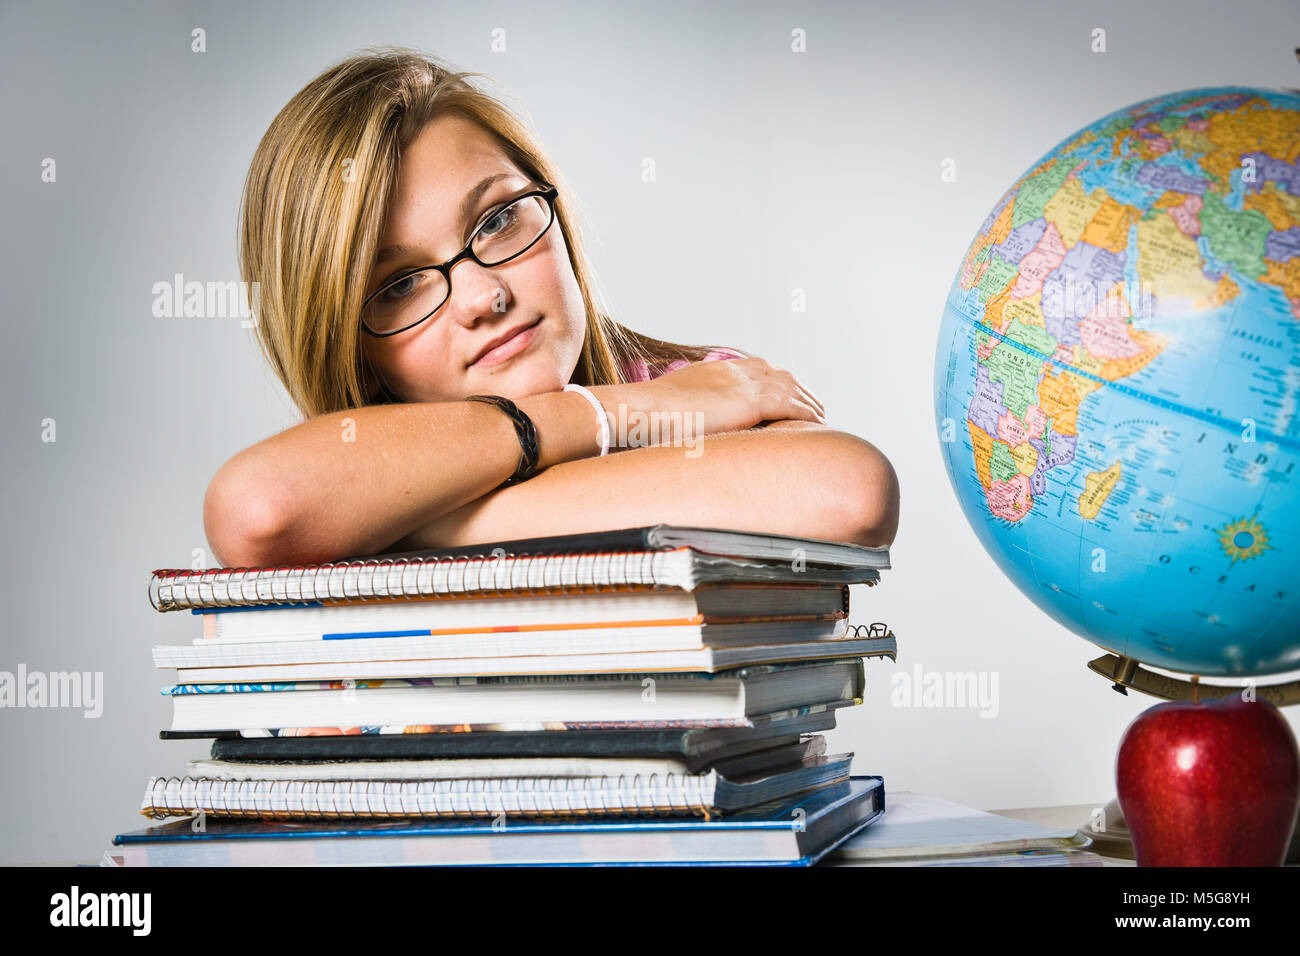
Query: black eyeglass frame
<point x="549" y="193"/>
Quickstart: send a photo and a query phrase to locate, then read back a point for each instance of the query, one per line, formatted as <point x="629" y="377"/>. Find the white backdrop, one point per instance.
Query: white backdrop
<point x="817" y="171"/>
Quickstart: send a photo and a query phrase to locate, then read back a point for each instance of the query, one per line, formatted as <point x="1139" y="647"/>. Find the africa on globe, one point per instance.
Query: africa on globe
<point x="1117" y="380"/>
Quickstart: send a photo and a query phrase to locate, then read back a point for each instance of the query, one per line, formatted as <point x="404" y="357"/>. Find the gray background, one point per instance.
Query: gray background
<point x="818" y="171"/>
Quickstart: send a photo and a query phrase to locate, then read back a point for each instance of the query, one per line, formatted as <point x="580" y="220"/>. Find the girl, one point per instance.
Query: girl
<point x="426" y="301"/>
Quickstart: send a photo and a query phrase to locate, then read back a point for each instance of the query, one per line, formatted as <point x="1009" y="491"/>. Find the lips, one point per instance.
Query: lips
<point x="502" y="339"/>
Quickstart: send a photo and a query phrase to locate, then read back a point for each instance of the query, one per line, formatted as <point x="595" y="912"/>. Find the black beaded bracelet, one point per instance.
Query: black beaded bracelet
<point x="524" y="429"/>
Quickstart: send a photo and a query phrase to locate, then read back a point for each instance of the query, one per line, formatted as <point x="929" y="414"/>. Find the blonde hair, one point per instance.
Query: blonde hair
<point x="312" y="215"/>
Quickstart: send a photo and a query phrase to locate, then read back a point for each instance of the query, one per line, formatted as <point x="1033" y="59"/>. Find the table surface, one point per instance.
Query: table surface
<point x="1075" y="815"/>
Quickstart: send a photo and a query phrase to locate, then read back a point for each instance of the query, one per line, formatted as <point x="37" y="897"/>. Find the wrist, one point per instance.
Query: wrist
<point x="566" y="427"/>
<point x="603" y="430"/>
<point x="525" y="432"/>
<point x="615" y="400"/>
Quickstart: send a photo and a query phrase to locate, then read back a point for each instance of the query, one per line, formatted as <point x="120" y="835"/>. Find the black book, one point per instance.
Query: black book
<point x="697" y="747"/>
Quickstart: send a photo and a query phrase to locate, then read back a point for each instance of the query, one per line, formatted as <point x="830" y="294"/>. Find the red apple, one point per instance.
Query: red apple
<point x="1209" y="783"/>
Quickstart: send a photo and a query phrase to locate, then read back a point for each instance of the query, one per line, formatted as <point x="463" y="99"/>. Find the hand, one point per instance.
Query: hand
<point x="708" y="398"/>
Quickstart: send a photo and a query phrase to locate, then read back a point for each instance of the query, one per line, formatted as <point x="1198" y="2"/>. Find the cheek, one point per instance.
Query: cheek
<point x="416" y="366"/>
<point x="563" y="297"/>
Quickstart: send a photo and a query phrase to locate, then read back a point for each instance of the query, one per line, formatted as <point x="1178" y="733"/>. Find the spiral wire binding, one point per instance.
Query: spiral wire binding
<point x="565" y="797"/>
<point x="387" y="578"/>
<point x="876" y="629"/>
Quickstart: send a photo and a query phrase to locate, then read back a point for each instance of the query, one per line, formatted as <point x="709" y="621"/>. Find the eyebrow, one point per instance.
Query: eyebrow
<point x="466" y="208"/>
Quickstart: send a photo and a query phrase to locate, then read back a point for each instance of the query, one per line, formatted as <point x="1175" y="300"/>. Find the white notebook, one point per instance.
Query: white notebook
<point x="685" y="698"/>
<point x="431" y="657"/>
<point x="539" y="614"/>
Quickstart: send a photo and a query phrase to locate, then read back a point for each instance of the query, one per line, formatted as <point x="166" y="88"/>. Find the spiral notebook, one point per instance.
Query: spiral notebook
<point x="661" y="555"/>
<point x="636" y="794"/>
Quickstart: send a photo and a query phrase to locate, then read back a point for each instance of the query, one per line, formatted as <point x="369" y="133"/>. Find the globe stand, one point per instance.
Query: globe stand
<point x="1125" y="672"/>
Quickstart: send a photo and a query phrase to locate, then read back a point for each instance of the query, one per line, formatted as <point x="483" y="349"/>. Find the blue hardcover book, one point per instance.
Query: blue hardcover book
<point x="797" y="831"/>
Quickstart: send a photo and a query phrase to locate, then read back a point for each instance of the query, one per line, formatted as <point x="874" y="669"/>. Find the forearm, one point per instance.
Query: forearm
<point x="351" y="483"/>
<point x="790" y="478"/>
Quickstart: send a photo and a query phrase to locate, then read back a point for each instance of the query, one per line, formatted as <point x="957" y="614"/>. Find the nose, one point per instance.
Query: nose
<point x="477" y="292"/>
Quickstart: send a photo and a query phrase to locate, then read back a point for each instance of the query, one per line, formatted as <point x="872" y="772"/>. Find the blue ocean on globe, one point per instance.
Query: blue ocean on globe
<point x="1117" y="382"/>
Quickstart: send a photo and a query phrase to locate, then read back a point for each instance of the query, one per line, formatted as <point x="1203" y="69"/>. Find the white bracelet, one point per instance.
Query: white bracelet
<point x="600" y="415"/>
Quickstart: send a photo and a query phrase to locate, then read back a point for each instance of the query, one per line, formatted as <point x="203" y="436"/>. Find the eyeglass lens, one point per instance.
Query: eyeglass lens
<point x="507" y="233"/>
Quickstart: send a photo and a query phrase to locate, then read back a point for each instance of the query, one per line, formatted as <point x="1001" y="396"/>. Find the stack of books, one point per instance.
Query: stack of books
<point x="647" y="695"/>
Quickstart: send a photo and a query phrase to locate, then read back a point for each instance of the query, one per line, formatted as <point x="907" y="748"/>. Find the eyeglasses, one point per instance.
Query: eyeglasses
<point x="408" y="299"/>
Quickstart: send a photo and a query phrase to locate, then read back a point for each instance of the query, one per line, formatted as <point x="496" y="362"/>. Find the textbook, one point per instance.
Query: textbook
<point x="603" y="699"/>
<point x="420" y="659"/>
<point x="721" y="608"/>
<point x="662" y="556"/>
<point x="798" y="831"/>
<point x="465" y="768"/>
<point x="338" y="731"/>
<point x="694" y="747"/>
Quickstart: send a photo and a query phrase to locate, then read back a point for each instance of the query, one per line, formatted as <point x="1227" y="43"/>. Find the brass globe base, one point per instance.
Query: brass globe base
<point x="1125" y="672"/>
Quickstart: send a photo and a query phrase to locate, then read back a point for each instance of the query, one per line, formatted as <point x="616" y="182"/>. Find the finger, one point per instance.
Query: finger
<point x="812" y="399"/>
<point x="797" y="389"/>
<point x="802" y="409"/>
<point x="803" y="390"/>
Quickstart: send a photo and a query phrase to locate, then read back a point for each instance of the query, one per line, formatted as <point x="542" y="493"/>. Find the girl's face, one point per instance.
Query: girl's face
<point x="535" y="294"/>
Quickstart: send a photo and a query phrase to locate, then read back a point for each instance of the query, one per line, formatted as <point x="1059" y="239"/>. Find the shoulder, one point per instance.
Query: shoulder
<point x="640" y="372"/>
<point x="723" y="352"/>
<point x="717" y="353"/>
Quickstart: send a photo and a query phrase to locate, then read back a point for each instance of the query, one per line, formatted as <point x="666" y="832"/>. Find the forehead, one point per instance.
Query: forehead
<point x="437" y="169"/>
<point x="442" y="163"/>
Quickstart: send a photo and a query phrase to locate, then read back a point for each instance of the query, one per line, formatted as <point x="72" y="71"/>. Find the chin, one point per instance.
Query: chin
<point x="532" y="378"/>
<point x="535" y="384"/>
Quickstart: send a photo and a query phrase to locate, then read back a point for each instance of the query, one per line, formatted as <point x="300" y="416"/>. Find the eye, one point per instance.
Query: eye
<point x="399" y="289"/>
<point x="505" y="216"/>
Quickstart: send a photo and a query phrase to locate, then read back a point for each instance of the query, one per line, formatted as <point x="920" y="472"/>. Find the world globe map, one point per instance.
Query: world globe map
<point x="1117" y="382"/>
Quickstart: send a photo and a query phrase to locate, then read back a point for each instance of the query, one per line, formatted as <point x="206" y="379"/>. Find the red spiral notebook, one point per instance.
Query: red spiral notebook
<point x="654" y="556"/>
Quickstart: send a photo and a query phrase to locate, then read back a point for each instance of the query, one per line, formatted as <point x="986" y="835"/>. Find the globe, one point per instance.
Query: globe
<point x="1117" y="382"/>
